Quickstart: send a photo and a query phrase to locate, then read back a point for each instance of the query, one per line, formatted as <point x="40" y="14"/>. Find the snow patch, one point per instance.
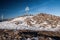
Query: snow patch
<point x="23" y="26"/>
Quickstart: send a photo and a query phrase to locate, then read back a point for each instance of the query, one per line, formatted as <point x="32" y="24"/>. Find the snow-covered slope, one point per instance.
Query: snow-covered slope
<point x="40" y="22"/>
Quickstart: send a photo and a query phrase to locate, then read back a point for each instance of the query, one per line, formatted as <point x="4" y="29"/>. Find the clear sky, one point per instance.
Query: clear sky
<point x="14" y="8"/>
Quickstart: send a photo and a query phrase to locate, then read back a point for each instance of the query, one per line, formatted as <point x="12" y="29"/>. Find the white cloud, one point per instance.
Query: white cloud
<point x="27" y="8"/>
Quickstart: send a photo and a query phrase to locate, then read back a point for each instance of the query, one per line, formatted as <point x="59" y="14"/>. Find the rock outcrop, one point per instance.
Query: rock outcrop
<point x="38" y="27"/>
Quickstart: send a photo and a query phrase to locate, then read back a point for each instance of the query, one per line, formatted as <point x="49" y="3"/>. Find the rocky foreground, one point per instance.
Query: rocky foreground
<point x="28" y="35"/>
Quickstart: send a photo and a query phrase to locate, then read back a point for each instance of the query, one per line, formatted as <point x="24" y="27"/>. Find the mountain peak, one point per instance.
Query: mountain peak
<point x="39" y="22"/>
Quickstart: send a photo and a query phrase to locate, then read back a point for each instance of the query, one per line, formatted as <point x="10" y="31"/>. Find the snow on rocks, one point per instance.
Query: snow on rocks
<point x="38" y="22"/>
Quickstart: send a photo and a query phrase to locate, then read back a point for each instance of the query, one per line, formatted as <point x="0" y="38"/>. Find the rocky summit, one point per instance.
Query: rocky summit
<point x="31" y="27"/>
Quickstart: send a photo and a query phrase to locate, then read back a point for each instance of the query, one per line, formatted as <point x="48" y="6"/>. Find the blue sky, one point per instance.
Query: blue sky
<point x="14" y="8"/>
